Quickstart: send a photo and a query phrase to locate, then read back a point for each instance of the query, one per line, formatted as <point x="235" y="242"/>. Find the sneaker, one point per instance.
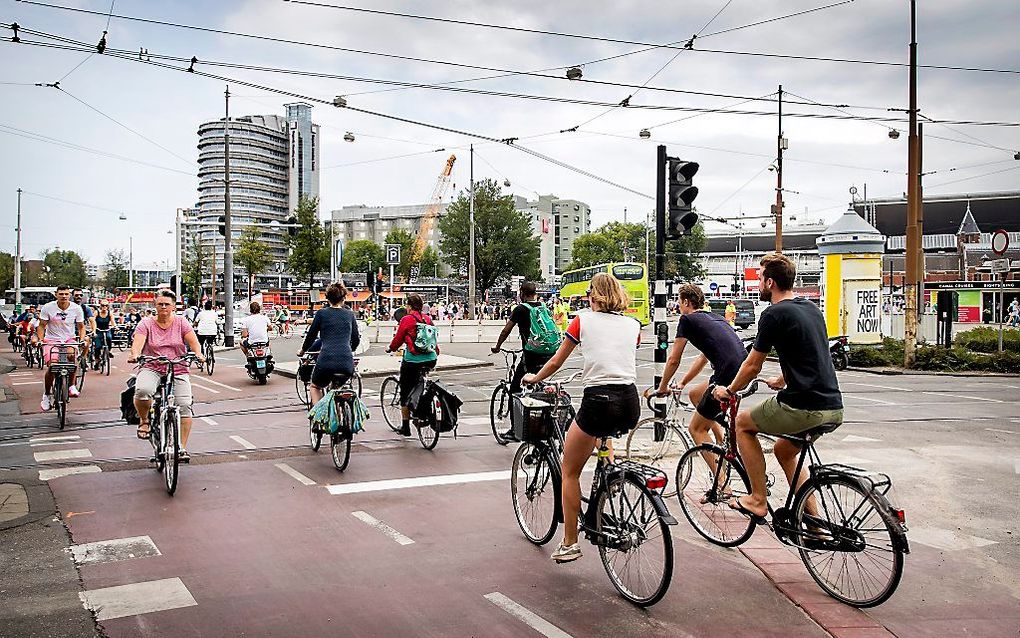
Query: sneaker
<point x="73" y="391"/>
<point x="565" y="554"/>
<point x="405" y="430"/>
<point x="45" y="403"/>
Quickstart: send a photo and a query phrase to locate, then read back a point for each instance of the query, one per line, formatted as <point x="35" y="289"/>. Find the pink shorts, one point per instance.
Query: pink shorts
<point x="57" y="355"/>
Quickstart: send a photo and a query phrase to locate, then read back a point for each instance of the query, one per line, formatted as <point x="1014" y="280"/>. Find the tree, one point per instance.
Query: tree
<point x="362" y="255"/>
<point x="429" y="261"/>
<point x="309" y="246"/>
<point x="6" y="271"/>
<point x="63" y="267"/>
<point x="115" y="269"/>
<point x="192" y="266"/>
<point x="504" y="244"/>
<point x="594" y="248"/>
<point x="406" y="241"/>
<point x="253" y="255"/>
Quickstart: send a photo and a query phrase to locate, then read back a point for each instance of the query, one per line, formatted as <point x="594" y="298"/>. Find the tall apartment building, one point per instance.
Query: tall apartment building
<point x="557" y="223"/>
<point x="273" y="161"/>
<point x="374" y="222"/>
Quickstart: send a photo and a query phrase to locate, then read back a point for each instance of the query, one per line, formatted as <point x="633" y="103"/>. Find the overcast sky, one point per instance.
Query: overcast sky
<point x="825" y="157"/>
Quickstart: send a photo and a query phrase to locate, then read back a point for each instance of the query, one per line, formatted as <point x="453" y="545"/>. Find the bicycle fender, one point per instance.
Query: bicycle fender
<point x="657" y="501"/>
<point x="885" y="510"/>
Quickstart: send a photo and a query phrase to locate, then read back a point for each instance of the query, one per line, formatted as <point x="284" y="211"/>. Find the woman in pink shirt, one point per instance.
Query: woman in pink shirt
<point x="165" y="335"/>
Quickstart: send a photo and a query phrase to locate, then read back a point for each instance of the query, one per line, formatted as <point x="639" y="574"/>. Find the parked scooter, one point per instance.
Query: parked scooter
<point x="839" y="348"/>
<point x="260" y="362"/>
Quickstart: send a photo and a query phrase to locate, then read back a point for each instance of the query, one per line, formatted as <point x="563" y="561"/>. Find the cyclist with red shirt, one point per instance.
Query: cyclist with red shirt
<point x="416" y="361"/>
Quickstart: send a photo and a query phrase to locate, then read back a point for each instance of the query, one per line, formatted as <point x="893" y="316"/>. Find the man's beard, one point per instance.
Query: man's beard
<point x="765" y="294"/>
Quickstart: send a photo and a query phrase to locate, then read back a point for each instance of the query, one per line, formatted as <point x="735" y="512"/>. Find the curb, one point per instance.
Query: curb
<point x="377" y="375"/>
<point x="889" y="372"/>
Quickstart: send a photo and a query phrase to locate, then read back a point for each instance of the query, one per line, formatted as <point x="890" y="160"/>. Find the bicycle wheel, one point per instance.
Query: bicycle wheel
<point x="60" y="398"/>
<point x="302" y="391"/>
<point x="638" y="550"/>
<point x="534" y="488"/>
<point x="83" y="368"/>
<point x="210" y="358"/>
<point x="499" y="413"/>
<point x="389" y="401"/>
<point x="340" y="442"/>
<point x="428" y="431"/>
<point x="857" y="557"/>
<point x="315" y="438"/>
<point x="171" y="448"/>
<point x="357" y="384"/>
<point x="705" y="495"/>
<point x="663" y="455"/>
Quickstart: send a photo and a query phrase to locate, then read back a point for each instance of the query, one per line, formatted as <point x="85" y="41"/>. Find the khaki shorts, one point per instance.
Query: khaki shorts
<point x="146" y="382"/>
<point x="773" y="417"/>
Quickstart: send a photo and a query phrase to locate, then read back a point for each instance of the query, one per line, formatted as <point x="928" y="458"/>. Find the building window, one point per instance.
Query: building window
<point x="577" y="218"/>
<point x="577" y="230"/>
<point x="576" y="207"/>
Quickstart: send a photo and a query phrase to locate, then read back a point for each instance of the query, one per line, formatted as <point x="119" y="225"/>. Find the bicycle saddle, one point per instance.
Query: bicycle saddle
<point x="812" y="434"/>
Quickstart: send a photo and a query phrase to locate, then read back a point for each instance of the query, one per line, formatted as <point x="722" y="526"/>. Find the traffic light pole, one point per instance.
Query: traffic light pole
<point x="228" y="251"/>
<point x="659" y="316"/>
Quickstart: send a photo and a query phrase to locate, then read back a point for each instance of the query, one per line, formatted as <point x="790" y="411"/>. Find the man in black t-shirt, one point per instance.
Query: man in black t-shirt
<point x="530" y="362"/>
<point x="719" y="345"/>
<point x="808" y="395"/>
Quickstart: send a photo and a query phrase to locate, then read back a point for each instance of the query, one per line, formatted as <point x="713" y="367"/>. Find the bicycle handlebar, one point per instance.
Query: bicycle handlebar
<point x="675" y="393"/>
<point x="561" y="382"/>
<point x="188" y="357"/>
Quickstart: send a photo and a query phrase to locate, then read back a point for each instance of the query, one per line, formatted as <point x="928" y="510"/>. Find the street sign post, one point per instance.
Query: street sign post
<point x="392" y="259"/>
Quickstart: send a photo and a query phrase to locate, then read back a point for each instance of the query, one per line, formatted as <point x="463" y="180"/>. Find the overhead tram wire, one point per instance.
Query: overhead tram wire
<point x="384" y="159"/>
<point x="650" y="46"/>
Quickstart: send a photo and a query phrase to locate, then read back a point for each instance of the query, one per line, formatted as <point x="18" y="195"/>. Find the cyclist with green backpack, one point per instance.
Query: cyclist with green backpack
<point x="540" y="337"/>
<point x="421" y="350"/>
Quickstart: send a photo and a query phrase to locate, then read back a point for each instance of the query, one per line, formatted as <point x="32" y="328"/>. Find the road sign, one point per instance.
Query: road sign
<point x="999" y="265"/>
<point x="1000" y="242"/>
<point x="392" y="254"/>
<point x="713" y="286"/>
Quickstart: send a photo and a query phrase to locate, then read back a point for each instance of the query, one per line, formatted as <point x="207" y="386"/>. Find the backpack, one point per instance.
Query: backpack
<point x="127" y="404"/>
<point x="426" y="337"/>
<point x="544" y="337"/>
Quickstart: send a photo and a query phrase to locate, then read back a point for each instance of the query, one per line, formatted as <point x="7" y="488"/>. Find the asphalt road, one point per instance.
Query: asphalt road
<point x="264" y="537"/>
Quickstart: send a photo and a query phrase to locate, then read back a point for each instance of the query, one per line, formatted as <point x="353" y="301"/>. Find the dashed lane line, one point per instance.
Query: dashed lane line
<point x="417" y="481"/>
<point x="245" y="443"/>
<point x="114" y="550"/>
<point x="61" y="455"/>
<point x="202" y="387"/>
<point x="853" y="438"/>
<point x="222" y="385"/>
<point x="962" y="396"/>
<point x="297" y="476"/>
<point x="526" y="616"/>
<point x="947" y="540"/>
<point x="209" y="420"/>
<point x="999" y="431"/>
<point x="54" y="439"/>
<point x="382" y="527"/>
<point x="875" y="385"/>
<point x="55" y="473"/>
<point x="881" y="401"/>
<point x="137" y="598"/>
<point x="27" y="383"/>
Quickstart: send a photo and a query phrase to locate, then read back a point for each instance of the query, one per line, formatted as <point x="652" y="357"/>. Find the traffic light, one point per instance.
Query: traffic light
<point x="680" y="218"/>
<point x="222" y="228"/>
<point x="173" y="283"/>
<point x="292" y="229"/>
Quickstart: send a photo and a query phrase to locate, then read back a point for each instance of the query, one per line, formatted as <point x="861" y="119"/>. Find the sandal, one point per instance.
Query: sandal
<point x="738" y="506"/>
<point x="142" y="433"/>
<point x="183" y="457"/>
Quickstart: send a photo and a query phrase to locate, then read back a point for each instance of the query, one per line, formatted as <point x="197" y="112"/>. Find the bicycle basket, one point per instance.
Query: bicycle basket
<point x="305" y="372"/>
<point x="531" y="419"/>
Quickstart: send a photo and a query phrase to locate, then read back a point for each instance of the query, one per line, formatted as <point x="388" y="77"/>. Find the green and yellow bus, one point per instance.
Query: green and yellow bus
<point x="632" y="276"/>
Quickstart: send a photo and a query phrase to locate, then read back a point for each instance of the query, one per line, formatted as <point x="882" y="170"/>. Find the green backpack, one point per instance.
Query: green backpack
<point x="544" y="336"/>
<point x="426" y="338"/>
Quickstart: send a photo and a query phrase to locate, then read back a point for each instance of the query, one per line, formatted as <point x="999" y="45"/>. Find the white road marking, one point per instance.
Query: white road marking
<point x="51" y="443"/>
<point x="202" y="387"/>
<point x="21" y="374"/>
<point x="883" y="402"/>
<point x="947" y="540"/>
<point x="114" y="550"/>
<point x="53" y="439"/>
<point x="1000" y="431"/>
<point x="137" y="598"/>
<point x="298" y="476"/>
<point x="60" y="455"/>
<point x="245" y="443"/>
<point x="209" y="420"/>
<point x="526" y="616"/>
<point x="418" y="481"/>
<point x="473" y="420"/>
<point x="382" y="527"/>
<point x="27" y="383"/>
<point x="1016" y="466"/>
<point x="874" y="385"/>
<point x="382" y="446"/>
<point x="48" y="475"/>
<point x="962" y="396"/>
<point x="853" y="438"/>
<point x="222" y="385"/>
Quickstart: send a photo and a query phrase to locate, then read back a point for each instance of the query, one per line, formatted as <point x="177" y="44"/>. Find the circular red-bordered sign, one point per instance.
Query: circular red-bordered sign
<point x="1000" y="242"/>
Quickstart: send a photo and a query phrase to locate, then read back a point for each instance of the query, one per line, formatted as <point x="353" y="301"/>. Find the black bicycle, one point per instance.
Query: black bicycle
<point x="339" y="441"/>
<point x="100" y="359"/>
<point x="84" y="352"/>
<point x="501" y="401"/>
<point x="165" y="420"/>
<point x="63" y="366"/>
<point x="851" y="539"/>
<point x="624" y="515"/>
<point x="660" y="442"/>
<point x="209" y="352"/>
<point x="428" y="426"/>
<point x="303" y="378"/>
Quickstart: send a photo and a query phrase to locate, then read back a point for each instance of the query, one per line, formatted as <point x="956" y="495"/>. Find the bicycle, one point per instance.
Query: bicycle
<point x="624" y="514"/>
<point x="303" y="378"/>
<point x="101" y="358"/>
<point x="657" y="440"/>
<point x="165" y="421"/>
<point x="339" y="441"/>
<point x="62" y="369"/>
<point x="500" y="403"/>
<point x="209" y="352"/>
<point x="84" y="352"/>
<point x="121" y="338"/>
<point x="429" y="427"/>
<point x="839" y="519"/>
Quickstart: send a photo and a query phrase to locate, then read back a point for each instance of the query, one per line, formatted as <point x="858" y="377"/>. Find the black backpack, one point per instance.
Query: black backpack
<point x="127" y="404"/>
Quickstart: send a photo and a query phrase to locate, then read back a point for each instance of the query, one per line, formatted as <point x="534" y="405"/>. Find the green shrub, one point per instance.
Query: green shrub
<point x="890" y="353"/>
<point x="986" y="339"/>
<point x="936" y="359"/>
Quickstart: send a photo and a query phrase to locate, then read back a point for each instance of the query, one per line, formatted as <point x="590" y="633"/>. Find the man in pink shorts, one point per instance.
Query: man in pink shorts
<point x="60" y="321"/>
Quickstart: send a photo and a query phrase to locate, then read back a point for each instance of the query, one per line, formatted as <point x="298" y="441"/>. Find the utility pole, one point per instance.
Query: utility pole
<point x="920" y="218"/>
<point x="228" y="251"/>
<point x="471" y="240"/>
<point x="177" y="253"/>
<point x="659" y="290"/>
<point x="913" y="181"/>
<point x="17" y="259"/>
<point x="131" y="262"/>
<point x="780" y="147"/>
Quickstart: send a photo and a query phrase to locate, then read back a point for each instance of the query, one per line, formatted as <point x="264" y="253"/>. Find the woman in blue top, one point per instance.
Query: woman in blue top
<point x="337" y="328"/>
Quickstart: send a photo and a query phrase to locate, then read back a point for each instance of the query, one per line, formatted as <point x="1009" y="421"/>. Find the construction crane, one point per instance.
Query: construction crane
<point x="429" y="218"/>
